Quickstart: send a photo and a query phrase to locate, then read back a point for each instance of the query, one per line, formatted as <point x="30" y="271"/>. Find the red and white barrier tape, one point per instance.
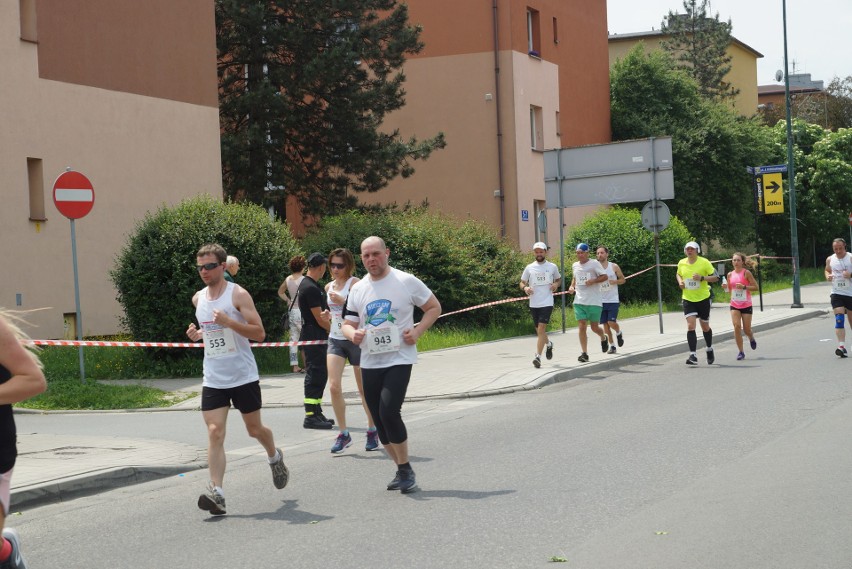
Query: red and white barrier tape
<point x="99" y="344"/>
<point x="88" y="343"/>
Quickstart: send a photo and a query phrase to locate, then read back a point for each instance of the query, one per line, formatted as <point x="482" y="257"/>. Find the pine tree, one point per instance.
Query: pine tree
<point x="699" y="44"/>
<point x="304" y="87"/>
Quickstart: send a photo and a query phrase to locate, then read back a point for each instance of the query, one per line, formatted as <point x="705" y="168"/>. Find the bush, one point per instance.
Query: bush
<point x="631" y="247"/>
<point x="464" y="264"/>
<point x="155" y="273"/>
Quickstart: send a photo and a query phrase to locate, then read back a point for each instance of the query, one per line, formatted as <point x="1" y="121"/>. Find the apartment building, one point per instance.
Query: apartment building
<point x="504" y="80"/>
<point x="122" y="91"/>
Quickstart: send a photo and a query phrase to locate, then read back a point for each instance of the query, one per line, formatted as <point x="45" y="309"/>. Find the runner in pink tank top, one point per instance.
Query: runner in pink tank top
<point x="740" y="284"/>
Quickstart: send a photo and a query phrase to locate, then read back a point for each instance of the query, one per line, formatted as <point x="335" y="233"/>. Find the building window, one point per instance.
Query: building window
<point x="28" y="20"/>
<point x="555" y="31"/>
<point x="533" y="33"/>
<point x="35" y="177"/>
<point x="536" y="128"/>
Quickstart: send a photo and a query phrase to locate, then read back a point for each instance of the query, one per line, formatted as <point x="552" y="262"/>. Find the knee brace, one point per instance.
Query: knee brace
<point x="838" y="321"/>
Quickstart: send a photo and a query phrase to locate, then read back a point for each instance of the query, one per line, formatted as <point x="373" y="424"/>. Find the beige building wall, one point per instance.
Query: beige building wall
<point x="451" y="87"/>
<point x="140" y="150"/>
<point x="742" y="76"/>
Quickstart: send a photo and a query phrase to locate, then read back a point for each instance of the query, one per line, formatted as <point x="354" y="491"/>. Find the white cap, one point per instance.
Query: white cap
<point x="539" y="245"/>
<point x="692" y="244"/>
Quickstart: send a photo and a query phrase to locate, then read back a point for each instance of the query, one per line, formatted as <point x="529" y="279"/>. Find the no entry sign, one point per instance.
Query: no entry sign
<point x="73" y="195"/>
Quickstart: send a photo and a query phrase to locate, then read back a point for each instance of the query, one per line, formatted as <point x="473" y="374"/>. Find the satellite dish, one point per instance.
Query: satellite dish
<point x="779" y="75"/>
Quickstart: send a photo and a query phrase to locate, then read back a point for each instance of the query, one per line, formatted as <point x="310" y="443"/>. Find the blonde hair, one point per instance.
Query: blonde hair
<point x="12" y="320"/>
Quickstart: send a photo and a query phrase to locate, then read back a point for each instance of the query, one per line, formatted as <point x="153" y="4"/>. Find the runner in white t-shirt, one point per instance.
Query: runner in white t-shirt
<point x="586" y="277"/>
<point x="838" y="271"/>
<point x="539" y="281"/>
<point x="379" y="317"/>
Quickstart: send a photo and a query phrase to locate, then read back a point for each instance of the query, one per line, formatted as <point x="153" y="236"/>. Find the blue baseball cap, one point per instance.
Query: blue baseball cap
<point x="582" y="247"/>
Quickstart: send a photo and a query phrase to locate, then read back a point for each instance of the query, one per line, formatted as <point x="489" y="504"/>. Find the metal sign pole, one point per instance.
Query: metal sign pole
<point x="656" y="236"/>
<point x="77" y="300"/>
<point x="561" y="237"/>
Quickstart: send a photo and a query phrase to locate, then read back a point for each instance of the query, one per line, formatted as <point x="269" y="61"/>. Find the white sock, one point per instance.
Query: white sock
<point x="218" y="490"/>
<point x="274" y="459"/>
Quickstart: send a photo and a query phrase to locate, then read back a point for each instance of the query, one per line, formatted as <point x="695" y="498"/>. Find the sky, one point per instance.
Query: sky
<point x="817" y="31"/>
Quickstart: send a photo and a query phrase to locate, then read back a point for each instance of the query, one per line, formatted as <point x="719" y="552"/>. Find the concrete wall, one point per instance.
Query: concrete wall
<point x="144" y="137"/>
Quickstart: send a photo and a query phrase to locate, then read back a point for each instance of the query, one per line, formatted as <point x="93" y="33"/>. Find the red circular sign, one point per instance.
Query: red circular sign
<point x="73" y="195"/>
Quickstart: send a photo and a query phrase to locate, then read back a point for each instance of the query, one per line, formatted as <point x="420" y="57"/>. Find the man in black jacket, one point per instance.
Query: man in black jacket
<point x="316" y="324"/>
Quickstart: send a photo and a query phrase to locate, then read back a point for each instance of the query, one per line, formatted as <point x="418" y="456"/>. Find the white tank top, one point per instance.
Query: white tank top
<point x="337" y="310"/>
<point x="839" y="285"/>
<point x="609" y="292"/>
<point x="228" y="360"/>
<point x="293" y="286"/>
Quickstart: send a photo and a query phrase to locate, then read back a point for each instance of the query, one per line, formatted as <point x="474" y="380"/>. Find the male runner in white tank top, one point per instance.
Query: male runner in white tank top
<point x="228" y="319"/>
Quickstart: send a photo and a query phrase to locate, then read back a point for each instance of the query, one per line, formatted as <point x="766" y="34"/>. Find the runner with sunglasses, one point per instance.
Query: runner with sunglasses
<point x="341" y="264"/>
<point x="227" y="319"/>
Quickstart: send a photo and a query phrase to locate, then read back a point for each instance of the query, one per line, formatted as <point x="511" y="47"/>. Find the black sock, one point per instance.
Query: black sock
<point x="692" y="340"/>
<point x="406" y="466"/>
<point x="708" y="338"/>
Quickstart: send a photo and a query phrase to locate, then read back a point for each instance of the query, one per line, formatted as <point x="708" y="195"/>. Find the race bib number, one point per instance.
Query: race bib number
<point x="383" y="340"/>
<point x="540" y="279"/>
<point x="738" y="295"/>
<point x="606" y="285"/>
<point x="691" y="284"/>
<point x="841" y="284"/>
<point x="336" y="322"/>
<point x="582" y="278"/>
<point x="218" y="340"/>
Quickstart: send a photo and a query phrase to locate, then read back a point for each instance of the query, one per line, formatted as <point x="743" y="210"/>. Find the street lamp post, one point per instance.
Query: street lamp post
<point x="791" y="174"/>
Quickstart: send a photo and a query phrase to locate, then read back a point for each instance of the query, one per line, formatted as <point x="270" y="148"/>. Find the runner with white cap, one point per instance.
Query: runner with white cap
<point x="693" y="275"/>
<point x="539" y="281"/>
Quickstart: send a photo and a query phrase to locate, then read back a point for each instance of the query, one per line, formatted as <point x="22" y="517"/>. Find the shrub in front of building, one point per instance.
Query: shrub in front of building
<point x="155" y="272"/>
<point x="631" y="247"/>
<point x="464" y="263"/>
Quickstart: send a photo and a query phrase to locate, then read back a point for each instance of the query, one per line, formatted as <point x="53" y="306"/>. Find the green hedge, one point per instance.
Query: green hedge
<point x="631" y="247"/>
<point x="463" y="263"/>
<point x="155" y="273"/>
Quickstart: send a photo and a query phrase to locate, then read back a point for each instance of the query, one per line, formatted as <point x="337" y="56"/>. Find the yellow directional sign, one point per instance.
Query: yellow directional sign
<point x="773" y="194"/>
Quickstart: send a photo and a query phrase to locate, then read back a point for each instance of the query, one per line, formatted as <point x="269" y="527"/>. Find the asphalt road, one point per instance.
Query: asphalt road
<point x="742" y="465"/>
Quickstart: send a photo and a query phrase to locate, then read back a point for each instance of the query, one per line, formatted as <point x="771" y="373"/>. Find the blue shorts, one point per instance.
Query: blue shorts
<point x="609" y="313"/>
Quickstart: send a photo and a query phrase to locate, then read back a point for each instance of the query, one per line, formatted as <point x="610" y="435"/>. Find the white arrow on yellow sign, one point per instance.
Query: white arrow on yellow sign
<point x="773" y="194"/>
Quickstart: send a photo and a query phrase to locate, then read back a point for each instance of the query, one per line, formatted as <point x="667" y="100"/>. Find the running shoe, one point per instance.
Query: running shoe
<point x="372" y="441"/>
<point x="343" y="441"/>
<point x="212" y="501"/>
<point x="604" y="345"/>
<point x="840" y="352"/>
<point x="740" y="356"/>
<point x="548" y="353"/>
<point x="407" y="481"/>
<point x="537" y="361"/>
<point x="692" y="360"/>
<point x="280" y="472"/>
<point x="584" y="357"/>
<point x="315" y="422"/>
<point x="753" y="344"/>
<point x="612" y="349"/>
<point x="16" y="560"/>
<point x="620" y="339"/>
<point x="394" y="484"/>
<point x="711" y="356"/>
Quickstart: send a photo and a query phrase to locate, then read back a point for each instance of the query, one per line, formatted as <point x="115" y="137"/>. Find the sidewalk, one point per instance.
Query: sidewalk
<point x="55" y="468"/>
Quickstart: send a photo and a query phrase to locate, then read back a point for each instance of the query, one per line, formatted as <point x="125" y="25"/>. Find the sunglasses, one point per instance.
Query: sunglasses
<point x="337" y="265"/>
<point x="207" y="266"/>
